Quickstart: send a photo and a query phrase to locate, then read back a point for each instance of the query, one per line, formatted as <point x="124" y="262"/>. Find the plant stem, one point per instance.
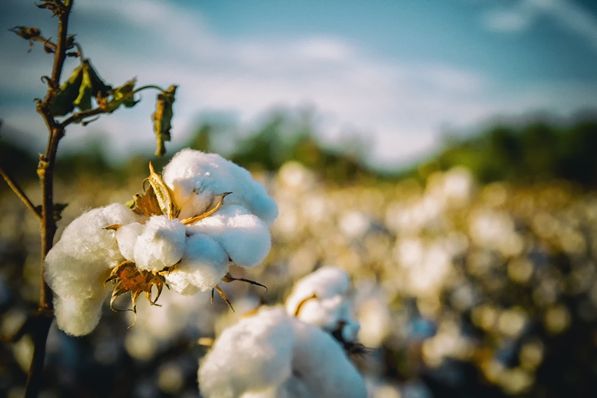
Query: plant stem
<point x="19" y="192"/>
<point x="45" y="172"/>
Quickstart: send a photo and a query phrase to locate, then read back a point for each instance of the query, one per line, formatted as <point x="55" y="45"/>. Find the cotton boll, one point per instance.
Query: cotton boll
<point x="160" y="245"/>
<point x="323" y="301"/>
<point x="325" y="282"/>
<point x="78" y="264"/>
<point x="245" y="238"/>
<point x="203" y="265"/>
<point x="196" y="177"/>
<point x="190" y="200"/>
<point x="78" y="316"/>
<point x="322" y="313"/>
<point x="253" y="355"/>
<point x="320" y="366"/>
<point x="126" y="236"/>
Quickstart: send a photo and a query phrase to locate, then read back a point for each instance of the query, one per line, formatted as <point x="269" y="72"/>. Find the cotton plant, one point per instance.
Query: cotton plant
<point x="273" y="354"/>
<point x="183" y="231"/>
<point x="299" y="350"/>
<point x="322" y="298"/>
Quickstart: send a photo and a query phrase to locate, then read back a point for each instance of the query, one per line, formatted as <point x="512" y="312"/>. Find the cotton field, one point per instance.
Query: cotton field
<point x="451" y="288"/>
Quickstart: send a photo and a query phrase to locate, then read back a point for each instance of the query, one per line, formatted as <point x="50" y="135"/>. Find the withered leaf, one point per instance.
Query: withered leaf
<point x="163" y="194"/>
<point x="146" y="203"/>
<point x="26" y="32"/>
<point x="121" y="95"/>
<point x="162" y="118"/>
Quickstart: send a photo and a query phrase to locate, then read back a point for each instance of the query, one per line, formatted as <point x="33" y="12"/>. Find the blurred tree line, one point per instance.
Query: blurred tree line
<point x="536" y="151"/>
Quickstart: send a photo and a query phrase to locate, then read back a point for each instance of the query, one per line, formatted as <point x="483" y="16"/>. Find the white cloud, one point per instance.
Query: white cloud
<point x="402" y="106"/>
<point x="522" y="14"/>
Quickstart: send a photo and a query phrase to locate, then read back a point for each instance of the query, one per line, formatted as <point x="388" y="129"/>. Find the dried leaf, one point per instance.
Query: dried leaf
<point x="121" y="95"/>
<point x="26" y="32"/>
<point x="162" y="118"/>
<point x="219" y="200"/>
<point x="163" y="194"/>
<point x="58" y="209"/>
<point x="146" y="204"/>
<point x="55" y="6"/>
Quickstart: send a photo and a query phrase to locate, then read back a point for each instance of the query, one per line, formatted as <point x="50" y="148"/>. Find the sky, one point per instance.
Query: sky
<point x="399" y="74"/>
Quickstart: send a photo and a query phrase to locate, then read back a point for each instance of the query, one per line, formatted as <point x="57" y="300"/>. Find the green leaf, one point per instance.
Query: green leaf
<point x="121" y="95"/>
<point x="92" y="86"/>
<point x="162" y="118"/>
<point x="99" y="89"/>
<point x="63" y="101"/>
<point x="83" y="100"/>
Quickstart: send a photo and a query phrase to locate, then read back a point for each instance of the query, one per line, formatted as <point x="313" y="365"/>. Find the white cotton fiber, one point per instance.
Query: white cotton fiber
<point x="274" y="355"/>
<point x="126" y="236"/>
<point x="330" y="304"/>
<point x="320" y="366"/>
<point x="323" y="298"/>
<point x="203" y="265"/>
<point x="197" y="177"/>
<point x="245" y="237"/>
<point x="325" y="282"/>
<point x="251" y="356"/>
<point x="160" y="245"/>
<point x="78" y="316"/>
<point x="79" y="262"/>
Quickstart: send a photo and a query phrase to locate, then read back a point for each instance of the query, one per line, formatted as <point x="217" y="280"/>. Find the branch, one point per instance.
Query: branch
<point x="147" y="87"/>
<point x="79" y="116"/>
<point x="20" y="193"/>
<point x="45" y="172"/>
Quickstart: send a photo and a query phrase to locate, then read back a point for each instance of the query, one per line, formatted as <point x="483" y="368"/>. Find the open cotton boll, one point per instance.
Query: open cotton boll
<point x="160" y="245"/>
<point x="320" y="366"/>
<point x="203" y="265"/>
<point x="329" y="285"/>
<point x="274" y="355"/>
<point x="325" y="282"/>
<point x="321" y="299"/>
<point x="78" y="264"/>
<point x="322" y="313"/>
<point x="126" y="236"/>
<point x="244" y="236"/>
<point x="251" y="356"/>
<point x="196" y="177"/>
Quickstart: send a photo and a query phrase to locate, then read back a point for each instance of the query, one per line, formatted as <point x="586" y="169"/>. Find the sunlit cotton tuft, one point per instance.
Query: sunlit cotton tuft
<point x="223" y="218"/>
<point x="322" y="299"/>
<point x="273" y="354"/>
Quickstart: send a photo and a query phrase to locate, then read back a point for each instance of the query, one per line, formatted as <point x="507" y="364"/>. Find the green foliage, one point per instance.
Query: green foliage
<point x="280" y="138"/>
<point x="64" y="101"/>
<point x="534" y="152"/>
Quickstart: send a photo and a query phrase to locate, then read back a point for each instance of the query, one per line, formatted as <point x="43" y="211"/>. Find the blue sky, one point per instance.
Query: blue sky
<point x="397" y="72"/>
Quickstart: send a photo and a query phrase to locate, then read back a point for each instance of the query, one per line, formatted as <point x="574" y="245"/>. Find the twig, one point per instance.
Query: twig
<point x="20" y="193"/>
<point x="45" y="172"/>
<point x="79" y="116"/>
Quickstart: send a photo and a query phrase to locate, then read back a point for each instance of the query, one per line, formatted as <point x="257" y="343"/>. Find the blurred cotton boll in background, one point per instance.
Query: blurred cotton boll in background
<point x="322" y="299"/>
<point x="272" y="354"/>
